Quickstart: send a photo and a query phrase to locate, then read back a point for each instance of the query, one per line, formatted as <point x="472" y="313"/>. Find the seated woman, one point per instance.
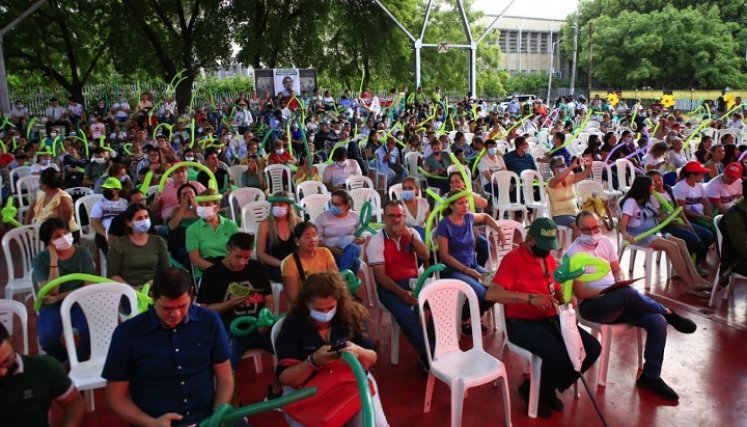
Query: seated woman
<point x="275" y="235"/>
<point x="715" y="163"/>
<point x="337" y="228"/>
<point x="60" y="258"/>
<point x="641" y="212"/>
<point x="305" y="171"/>
<point x="656" y="158"/>
<point x="323" y="315"/>
<point x="181" y="218"/>
<point x="135" y="258"/>
<point x="308" y="258"/>
<point x="456" y="184"/>
<point x="255" y="173"/>
<point x="53" y="202"/>
<point x="561" y="192"/>
<point x="416" y="208"/>
<point x="105" y="210"/>
<point x="206" y="238"/>
<point x="524" y="285"/>
<point x="456" y="249"/>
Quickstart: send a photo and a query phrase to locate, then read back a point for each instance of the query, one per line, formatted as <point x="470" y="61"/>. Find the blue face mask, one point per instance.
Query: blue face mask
<point x="323" y="317"/>
<point x="492" y="151"/>
<point x="335" y="210"/>
<point x="141" y="226"/>
<point x="408" y="194"/>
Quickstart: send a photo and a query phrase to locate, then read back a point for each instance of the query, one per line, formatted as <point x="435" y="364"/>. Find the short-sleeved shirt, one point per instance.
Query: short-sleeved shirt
<point x="169" y="201"/>
<point x="221" y="284"/>
<point x="80" y="262"/>
<point x="639" y="214"/>
<point x="105" y="210"/>
<point x="692" y="196"/>
<point x="221" y="176"/>
<point x="336" y="232"/>
<point x="137" y="264"/>
<point x="488" y="164"/>
<point x="94" y="170"/>
<point x="319" y="264"/>
<point x="397" y="255"/>
<point x="211" y="242"/>
<point x="461" y="239"/>
<point x="518" y="164"/>
<point x="433" y="164"/>
<point x="336" y="176"/>
<point x="605" y="250"/>
<point x="727" y="194"/>
<point x="29" y="391"/>
<point x="520" y="272"/>
<point x="169" y="370"/>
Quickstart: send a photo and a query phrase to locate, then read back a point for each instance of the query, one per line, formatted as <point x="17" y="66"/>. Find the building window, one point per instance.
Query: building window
<point x="544" y="43"/>
<point x="524" y="42"/>
<point x="513" y="41"/>
<point x="534" y="42"/>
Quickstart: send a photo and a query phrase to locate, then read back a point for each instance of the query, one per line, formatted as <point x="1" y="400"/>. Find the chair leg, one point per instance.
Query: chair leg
<point x="604" y="359"/>
<point x="506" y="401"/>
<point x="395" y="342"/>
<point x="649" y="269"/>
<point x="640" y="349"/>
<point x="534" y="386"/>
<point x="457" y="403"/>
<point x="428" y="392"/>
<point x="90" y="401"/>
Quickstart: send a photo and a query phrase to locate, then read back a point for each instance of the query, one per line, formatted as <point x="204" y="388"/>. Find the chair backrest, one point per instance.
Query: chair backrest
<point x="528" y="178"/>
<point x="100" y="305"/>
<point x="497" y="248"/>
<point x="506" y="181"/>
<point x="275" y="331"/>
<point x="78" y="192"/>
<point x="395" y="192"/>
<point x="9" y="309"/>
<point x="586" y="188"/>
<point x="445" y="298"/>
<point x="26" y="238"/>
<point x="308" y="188"/>
<point x="315" y="204"/>
<point x="26" y="188"/>
<point x="320" y="167"/>
<point x="240" y="197"/>
<point x="252" y="214"/>
<point x="411" y="163"/>
<point x="86" y="202"/>
<point x="539" y="152"/>
<point x="236" y="171"/>
<point x="625" y="174"/>
<point x="358" y="181"/>
<point x="18" y="173"/>
<point x="362" y="195"/>
<point x="278" y="177"/>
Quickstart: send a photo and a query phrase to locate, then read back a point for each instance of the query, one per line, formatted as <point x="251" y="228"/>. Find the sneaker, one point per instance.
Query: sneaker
<point x="659" y="387"/>
<point x="543" y="409"/>
<point x="681" y="324"/>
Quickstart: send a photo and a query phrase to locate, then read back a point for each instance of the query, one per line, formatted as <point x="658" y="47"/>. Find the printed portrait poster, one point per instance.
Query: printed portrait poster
<point x="287" y="81"/>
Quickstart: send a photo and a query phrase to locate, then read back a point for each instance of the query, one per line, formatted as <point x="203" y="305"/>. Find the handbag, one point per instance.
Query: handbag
<point x="571" y="336"/>
<point x="336" y="401"/>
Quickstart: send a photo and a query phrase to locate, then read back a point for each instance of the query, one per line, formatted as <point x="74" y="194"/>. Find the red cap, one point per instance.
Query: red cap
<point x="734" y="170"/>
<point x="695" y="167"/>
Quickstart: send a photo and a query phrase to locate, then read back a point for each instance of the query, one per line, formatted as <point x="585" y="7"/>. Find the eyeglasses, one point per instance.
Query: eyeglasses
<point x="395" y="216"/>
<point x="591" y="230"/>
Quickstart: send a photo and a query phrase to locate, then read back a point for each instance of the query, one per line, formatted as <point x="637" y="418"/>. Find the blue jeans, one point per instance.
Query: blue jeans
<point x="627" y="305"/>
<point x="476" y="286"/>
<point x="405" y="317"/>
<point x="350" y="258"/>
<point x="697" y="242"/>
<point x="49" y="331"/>
<point x="240" y="344"/>
<point x="543" y="338"/>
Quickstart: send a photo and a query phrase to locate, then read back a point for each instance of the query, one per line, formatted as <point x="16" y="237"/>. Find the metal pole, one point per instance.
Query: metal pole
<point x="588" y="78"/>
<point x="473" y="70"/>
<point x="495" y="21"/>
<point x="575" y="52"/>
<point x="549" y="78"/>
<point x="520" y="44"/>
<point x="417" y="64"/>
<point x="401" y="27"/>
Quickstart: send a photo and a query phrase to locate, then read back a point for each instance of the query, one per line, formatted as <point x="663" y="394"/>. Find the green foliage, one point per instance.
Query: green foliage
<point x="528" y="83"/>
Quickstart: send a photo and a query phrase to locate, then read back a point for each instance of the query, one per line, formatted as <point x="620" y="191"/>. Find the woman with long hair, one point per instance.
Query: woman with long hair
<point x="53" y="202"/>
<point x="641" y="212"/>
<point x="308" y="258"/>
<point x="275" y="234"/>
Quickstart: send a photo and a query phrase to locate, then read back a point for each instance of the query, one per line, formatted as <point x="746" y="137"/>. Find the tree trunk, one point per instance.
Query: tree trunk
<point x="183" y="93"/>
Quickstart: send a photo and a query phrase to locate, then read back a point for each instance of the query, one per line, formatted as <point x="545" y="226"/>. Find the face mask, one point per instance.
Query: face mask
<point x="279" y="151"/>
<point x="408" y="194"/>
<point x="337" y="131"/>
<point x="141" y="226"/>
<point x="44" y="162"/>
<point x="52" y="134"/>
<point x="539" y="252"/>
<point x="108" y="193"/>
<point x="189" y="158"/>
<point x="205" y="212"/>
<point x="99" y="160"/>
<point x="590" y="239"/>
<point x="19" y="106"/>
<point x="279" y="211"/>
<point x="123" y="178"/>
<point x="492" y="151"/>
<point x="63" y="243"/>
<point x="335" y="210"/>
<point x="323" y="317"/>
<point x="341" y="164"/>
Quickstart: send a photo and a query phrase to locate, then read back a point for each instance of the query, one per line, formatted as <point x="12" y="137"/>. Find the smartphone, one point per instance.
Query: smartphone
<point x="339" y="345"/>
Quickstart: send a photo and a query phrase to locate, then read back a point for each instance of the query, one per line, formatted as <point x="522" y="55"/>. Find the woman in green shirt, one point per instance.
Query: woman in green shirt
<point x="207" y="237"/>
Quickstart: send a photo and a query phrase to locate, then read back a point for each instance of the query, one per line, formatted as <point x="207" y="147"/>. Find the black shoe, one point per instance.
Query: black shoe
<point x="659" y="387"/>
<point x="552" y="401"/>
<point x="543" y="409"/>
<point x="681" y="324"/>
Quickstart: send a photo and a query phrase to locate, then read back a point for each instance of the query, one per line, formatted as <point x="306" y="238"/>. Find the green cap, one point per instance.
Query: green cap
<point x="112" y="183"/>
<point x="544" y="231"/>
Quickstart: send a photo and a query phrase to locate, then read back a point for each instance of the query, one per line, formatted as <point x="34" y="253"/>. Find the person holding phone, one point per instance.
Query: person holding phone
<point x="624" y="304"/>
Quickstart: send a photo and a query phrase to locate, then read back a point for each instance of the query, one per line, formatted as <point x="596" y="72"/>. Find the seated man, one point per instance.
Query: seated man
<point x="335" y="174"/>
<point x="171" y="363"/>
<point x="391" y="254"/>
<point x="389" y="162"/>
<point x="29" y="385"/>
<point x="625" y="304"/>
<point x="437" y="163"/>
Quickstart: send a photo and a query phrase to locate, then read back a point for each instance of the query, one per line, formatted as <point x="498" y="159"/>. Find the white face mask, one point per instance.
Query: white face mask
<point x="205" y="212"/>
<point x="280" y="151"/>
<point x="408" y="194"/>
<point x="492" y="151"/>
<point x="323" y="317"/>
<point x="590" y="239"/>
<point x="63" y="243"/>
<point x="341" y="164"/>
<point x="52" y="134"/>
<point x="189" y="158"/>
<point x="279" y="211"/>
<point x="98" y="160"/>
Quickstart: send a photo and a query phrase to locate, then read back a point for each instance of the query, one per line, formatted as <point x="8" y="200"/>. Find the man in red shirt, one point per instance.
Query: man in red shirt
<point x="524" y="284"/>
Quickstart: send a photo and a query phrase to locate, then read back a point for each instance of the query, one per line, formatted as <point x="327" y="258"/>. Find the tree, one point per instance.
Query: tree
<point x="168" y="36"/>
<point x="65" y="40"/>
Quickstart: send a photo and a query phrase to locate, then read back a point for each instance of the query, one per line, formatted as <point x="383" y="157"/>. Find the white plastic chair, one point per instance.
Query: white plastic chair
<point x="237" y="199"/>
<point x="460" y="370"/>
<point x="358" y="181"/>
<point x="27" y="241"/>
<point x="314" y="205"/>
<point x="26" y="189"/>
<point x="8" y="310"/>
<point x="320" y="167"/>
<point x="279" y="178"/>
<point x="235" y="172"/>
<point x="648" y="257"/>
<point x="252" y="214"/>
<point x="732" y="276"/>
<point x="528" y="177"/>
<point x="507" y="182"/>
<point x="411" y="163"/>
<point x="78" y="192"/>
<point x="598" y="169"/>
<point x="100" y="305"/>
<point x="308" y="188"/>
<point x="362" y="195"/>
<point x="603" y="332"/>
<point x="86" y="202"/>
<point x="625" y="174"/>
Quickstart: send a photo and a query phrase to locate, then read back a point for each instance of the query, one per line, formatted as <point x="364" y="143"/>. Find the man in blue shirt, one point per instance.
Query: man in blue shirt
<point x="519" y="160"/>
<point x="169" y="365"/>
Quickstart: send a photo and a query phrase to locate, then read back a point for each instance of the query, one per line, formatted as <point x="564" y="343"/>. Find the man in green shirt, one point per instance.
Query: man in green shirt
<point x="29" y="385"/>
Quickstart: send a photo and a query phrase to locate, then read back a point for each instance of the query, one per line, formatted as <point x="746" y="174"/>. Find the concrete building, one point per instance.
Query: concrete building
<point x="526" y="44"/>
